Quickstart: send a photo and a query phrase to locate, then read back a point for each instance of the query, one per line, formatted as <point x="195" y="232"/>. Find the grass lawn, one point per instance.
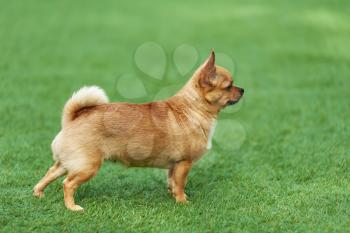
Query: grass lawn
<point x="290" y="174"/>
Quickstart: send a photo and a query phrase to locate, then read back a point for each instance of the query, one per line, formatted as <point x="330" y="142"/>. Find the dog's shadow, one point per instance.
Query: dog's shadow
<point x="117" y="182"/>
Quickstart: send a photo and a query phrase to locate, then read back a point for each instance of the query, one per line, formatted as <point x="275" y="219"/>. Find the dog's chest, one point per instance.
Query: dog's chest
<point x="211" y="134"/>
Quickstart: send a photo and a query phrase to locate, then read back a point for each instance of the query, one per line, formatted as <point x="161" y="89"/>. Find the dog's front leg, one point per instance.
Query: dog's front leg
<point x="179" y="179"/>
<point x="171" y="179"/>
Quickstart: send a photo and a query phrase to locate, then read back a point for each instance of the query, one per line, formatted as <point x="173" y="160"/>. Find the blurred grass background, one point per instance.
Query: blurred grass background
<point x="293" y="59"/>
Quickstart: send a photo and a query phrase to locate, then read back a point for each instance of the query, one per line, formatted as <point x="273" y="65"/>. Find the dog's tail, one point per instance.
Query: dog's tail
<point x="85" y="97"/>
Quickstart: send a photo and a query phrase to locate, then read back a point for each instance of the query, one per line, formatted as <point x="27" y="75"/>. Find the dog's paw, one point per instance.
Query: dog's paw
<point x="76" y="208"/>
<point x="38" y="193"/>
<point x="181" y="199"/>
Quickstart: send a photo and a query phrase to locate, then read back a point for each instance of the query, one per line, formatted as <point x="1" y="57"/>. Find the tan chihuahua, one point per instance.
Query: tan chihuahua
<point x="171" y="134"/>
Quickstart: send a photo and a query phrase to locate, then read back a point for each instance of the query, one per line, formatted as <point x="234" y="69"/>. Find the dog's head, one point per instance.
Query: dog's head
<point x="215" y="85"/>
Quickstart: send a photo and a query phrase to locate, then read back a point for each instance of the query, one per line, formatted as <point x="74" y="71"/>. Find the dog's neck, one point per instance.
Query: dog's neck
<point x="197" y="109"/>
<point x="190" y="94"/>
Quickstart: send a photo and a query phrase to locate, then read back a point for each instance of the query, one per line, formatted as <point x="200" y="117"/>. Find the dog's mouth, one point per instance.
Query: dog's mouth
<point x="231" y="102"/>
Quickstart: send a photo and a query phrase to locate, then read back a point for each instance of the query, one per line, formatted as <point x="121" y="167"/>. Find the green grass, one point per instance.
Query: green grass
<point x="290" y="175"/>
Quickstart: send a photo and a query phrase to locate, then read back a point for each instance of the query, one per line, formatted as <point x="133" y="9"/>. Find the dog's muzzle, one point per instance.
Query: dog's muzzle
<point x="232" y="102"/>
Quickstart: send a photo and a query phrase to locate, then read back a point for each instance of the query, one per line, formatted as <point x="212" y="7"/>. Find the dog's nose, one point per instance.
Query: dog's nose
<point x="241" y="90"/>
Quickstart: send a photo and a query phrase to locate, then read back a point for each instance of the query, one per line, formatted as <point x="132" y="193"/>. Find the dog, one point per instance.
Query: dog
<point x="171" y="134"/>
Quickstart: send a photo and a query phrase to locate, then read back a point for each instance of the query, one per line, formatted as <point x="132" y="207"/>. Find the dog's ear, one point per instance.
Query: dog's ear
<point x="207" y="71"/>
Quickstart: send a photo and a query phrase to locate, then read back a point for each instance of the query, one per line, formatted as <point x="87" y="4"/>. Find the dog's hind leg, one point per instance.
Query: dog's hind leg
<point x="51" y="175"/>
<point x="75" y="179"/>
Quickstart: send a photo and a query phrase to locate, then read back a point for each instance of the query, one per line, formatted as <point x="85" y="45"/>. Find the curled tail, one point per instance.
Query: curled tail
<point x="85" y="97"/>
